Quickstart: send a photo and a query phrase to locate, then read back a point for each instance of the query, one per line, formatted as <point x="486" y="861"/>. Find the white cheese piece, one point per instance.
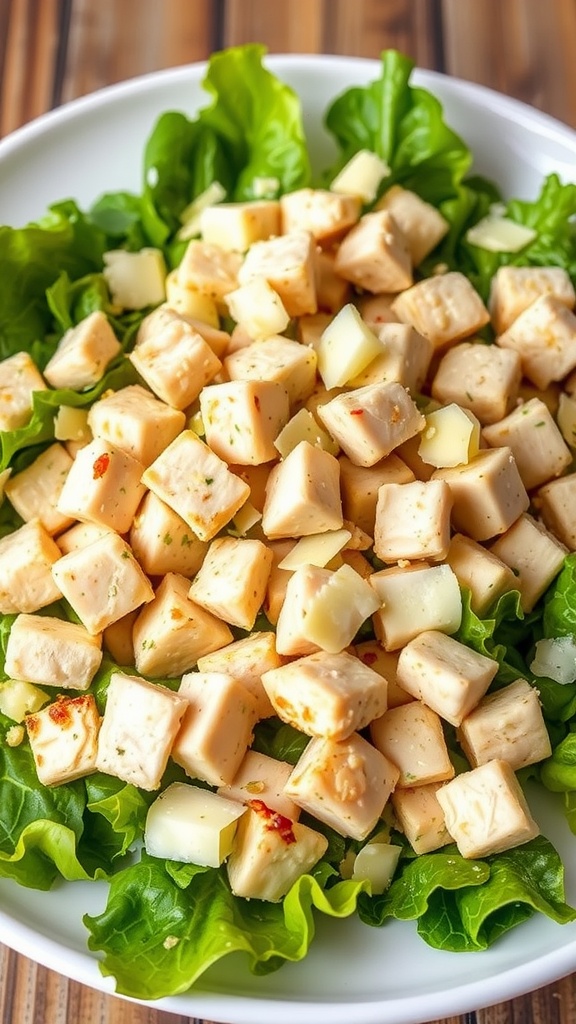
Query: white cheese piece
<point x="500" y="234"/>
<point x="71" y="424"/>
<point x="566" y="418"/>
<point x="555" y="658"/>
<point x="258" y="309"/>
<point x="316" y="549"/>
<point x="52" y="652"/>
<point x="26" y="559"/>
<point x="190" y="216"/>
<point x="140" y="723"/>
<point x="415" y="599"/>
<point x="135" y="279"/>
<point x="64" y="738"/>
<point x="236" y="226"/>
<point x="191" y="825"/>
<point x="361" y="176"/>
<point x="376" y="862"/>
<point x="451" y="437"/>
<point x="187" y="300"/>
<point x="346" y="347"/>
<point x="304" y="427"/>
<point x="19" y="698"/>
<point x="338" y="609"/>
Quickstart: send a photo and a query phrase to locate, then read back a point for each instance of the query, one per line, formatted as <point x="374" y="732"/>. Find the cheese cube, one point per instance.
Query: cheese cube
<point x="135" y="279"/>
<point x="247" y="660"/>
<point x="556" y="506"/>
<point x="413" y="520"/>
<point x="162" y="542"/>
<point x="236" y="226"/>
<point x="209" y="269"/>
<point x="242" y="419"/>
<point x="140" y="724"/>
<point x="19" y="699"/>
<point x="262" y="778"/>
<point x="278" y="580"/>
<point x="445" y="674"/>
<point x="217" y="728"/>
<point x="508" y="726"/>
<point x="52" y="652"/>
<point x="415" y="598"/>
<point x="79" y="536"/>
<point x="513" y="289"/>
<point x="293" y="599"/>
<point x="444" y="308"/>
<point x="103" y="486"/>
<point x="71" y="424"/>
<point x="232" y="580"/>
<point x="537" y="445"/>
<point x="411" y="737"/>
<point x="303" y="494"/>
<point x="385" y="663"/>
<point x="287" y="263"/>
<point x="486" y="811"/>
<point x="405" y="357"/>
<point x="34" y="492"/>
<point x="421" y="818"/>
<point x="544" y="336"/>
<point x="480" y="571"/>
<point x="377" y="309"/>
<point x="326" y="215"/>
<point x="326" y="695"/>
<point x="534" y="555"/>
<point x="370" y="422"/>
<point x="374" y="255"/>
<point x="19" y="379"/>
<point x="451" y="437"/>
<point x="482" y="378"/>
<point x="191" y="825"/>
<point x="83" y="353"/>
<point x="196" y="484"/>
<point x="360" y="484"/>
<point x="347" y="346"/>
<point x="487" y="492"/>
<point x="189" y="301"/>
<point x="172" y="632"/>
<point x="345" y="784"/>
<point x="317" y="549"/>
<point x="63" y="738"/>
<point x="270" y="853"/>
<point x="309" y="328"/>
<point x="304" y="427"/>
<point x="422" y="225"/>
<point x="258" y="309"/>
<point x="361" y="176"/>
<point x="136" y="421"/>
<point x="102" y="582"/>
<point x="173" y="358"/>
<point x="276" y="359"/>
<point x="26" y="559"/>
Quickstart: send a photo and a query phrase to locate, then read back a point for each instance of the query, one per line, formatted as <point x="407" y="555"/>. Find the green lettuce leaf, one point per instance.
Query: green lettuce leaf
<point x="158" y="938"/>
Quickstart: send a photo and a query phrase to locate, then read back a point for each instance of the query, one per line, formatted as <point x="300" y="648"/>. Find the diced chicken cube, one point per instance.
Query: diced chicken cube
<point x="534" y="555"/>
<point x="413" y="521"/>
<point x="374" y="255"/>
<point x="191" y="825"/>
<point x="190" y="301"/>
<point x="234" y="227"/>
<point x="232" y="580"/>
<point x="140" y="724"/>
<point x="258" y="309"/>
<point x="52" y="652"/>
<point x="371" y="653"/>
<point x="411" y="736"/>
<point x="370" y="422"/>
<point x="210" y="269"/>
<point x="64" y="738"/>
<point x="405" y="358"/>
<point x="26" y="559"/>
<point x="444" y="308"/>
<point x="482" y="378"/>
<point x="422" y="225"/>
<point x="326" y="215"/>
<point x="83" y="353"/>
<point x="103" y="486"/>
<point x="287" y="263"/>
<point x="162" y="542"/>
<point x="332" y="291"/>
<point x="172" y="632"/>
<point x="556" y="503"/>
<point x="346" y="784"/>
<point x="276" y="359"/>
<point x="421" y="818"/>
<point x="261" y="777"/>
<point x="445" y="674"/>
<point x="544" y="336"/>
<point x="414" y="599"/>
<point x="507" y="725"/>
<point x="513" y="289"/>
<point x="486" y="811"/>
<point x="360" y="484"/>
<point x="303" y="494"/>
<point x="79" y="536"/>
<point x="537" y="445"/>
<point x="326" y="695"/>
<point x="247" y="660"/>
<point x="196" y="484"/>
<point x="270" y="853"/>
<point x="19" y="379"/>
<point x="34" y="492"/>
<point x="136" y="421"/>
<point x="217" y="728"/>
<point x="480" y="571"/>
<point x="488" y="493"/>
<point x="102" y="582"/>
<point x="242" y="419"/>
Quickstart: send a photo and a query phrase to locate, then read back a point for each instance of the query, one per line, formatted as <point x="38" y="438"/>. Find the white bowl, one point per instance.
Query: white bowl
<point x="353" y="973"/>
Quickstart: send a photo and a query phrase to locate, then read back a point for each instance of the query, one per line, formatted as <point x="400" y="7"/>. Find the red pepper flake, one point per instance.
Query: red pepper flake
<point x="356" y="412"/>
<point x="369" y="657"/>
<point x="276" y="822"/>
<point x="100" y="466"/>
<point x="257" y="403"/>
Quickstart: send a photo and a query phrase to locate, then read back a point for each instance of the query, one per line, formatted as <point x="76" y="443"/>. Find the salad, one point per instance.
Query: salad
<point x="170" y="916"/>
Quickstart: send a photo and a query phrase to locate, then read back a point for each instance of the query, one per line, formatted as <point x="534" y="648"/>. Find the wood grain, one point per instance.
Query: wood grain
<point x="54" y="50"/>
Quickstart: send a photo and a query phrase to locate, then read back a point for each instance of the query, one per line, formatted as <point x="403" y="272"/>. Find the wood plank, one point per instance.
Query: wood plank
<point x="111" y="41"/>
<point x="28" y="60"/>
<point x="522" y="47"/>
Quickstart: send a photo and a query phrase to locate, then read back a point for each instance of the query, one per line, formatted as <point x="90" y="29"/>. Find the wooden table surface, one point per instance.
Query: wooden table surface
<point x="54" y="50"/>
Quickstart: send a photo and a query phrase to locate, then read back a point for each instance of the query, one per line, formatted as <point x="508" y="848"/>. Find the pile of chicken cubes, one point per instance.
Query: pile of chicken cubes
<point x="261" y="469"/>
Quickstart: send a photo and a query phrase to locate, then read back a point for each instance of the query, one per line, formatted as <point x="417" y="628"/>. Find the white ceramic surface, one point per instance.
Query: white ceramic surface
<point x="354" y="974"/>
